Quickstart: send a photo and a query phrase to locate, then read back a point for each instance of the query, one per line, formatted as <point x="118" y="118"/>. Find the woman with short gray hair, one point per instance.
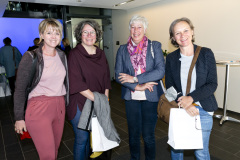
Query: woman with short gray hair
<point x="139" y="70"/>
<point x="140" y="19"/>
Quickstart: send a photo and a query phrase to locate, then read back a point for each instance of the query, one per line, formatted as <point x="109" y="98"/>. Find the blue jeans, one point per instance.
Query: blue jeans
<point x="206" y="124"/>
<point x="142" y="119"/>
<point x="81" y="142"/>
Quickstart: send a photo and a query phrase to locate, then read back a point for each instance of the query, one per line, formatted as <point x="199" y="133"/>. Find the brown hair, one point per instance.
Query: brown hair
<point x="36" y="41"/>
<point x="93" y="24"/>
<point x="66" y="41"/>
<point x="171" y="29"/>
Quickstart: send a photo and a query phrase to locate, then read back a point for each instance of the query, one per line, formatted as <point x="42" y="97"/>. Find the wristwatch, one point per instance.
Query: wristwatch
<point x="135" y="79"/>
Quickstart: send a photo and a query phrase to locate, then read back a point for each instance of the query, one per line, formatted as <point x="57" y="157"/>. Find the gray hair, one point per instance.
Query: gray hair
<point x="171" y="29"/>
<point x="141" y="19"/>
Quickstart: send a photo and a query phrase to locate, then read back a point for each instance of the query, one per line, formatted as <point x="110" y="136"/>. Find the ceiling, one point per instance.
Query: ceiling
<point x="95" y="3"/>
<point x="85" y="3"/>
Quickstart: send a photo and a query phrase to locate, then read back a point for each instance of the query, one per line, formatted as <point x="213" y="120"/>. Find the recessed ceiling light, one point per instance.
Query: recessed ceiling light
<point x="119" y="4"/>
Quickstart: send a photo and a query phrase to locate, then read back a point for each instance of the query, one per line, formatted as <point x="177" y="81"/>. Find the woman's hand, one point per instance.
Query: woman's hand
<point x="124" y="78"/>
<point x="20" y="126"/>
<point x="107" y="93"/>
<point x="185" y="101"/>
<point x="143" y="87"/>
<point x="88" y="94"/>
<point x="192" y="110"/>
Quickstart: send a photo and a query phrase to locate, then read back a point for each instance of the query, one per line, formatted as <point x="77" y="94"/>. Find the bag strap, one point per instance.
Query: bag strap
<point x="191" y="69"/>
<point x="14" y="57"/>
<point x="163" y="88"/>
<point x="33" y="71"/>
<point x="152" y="50"/>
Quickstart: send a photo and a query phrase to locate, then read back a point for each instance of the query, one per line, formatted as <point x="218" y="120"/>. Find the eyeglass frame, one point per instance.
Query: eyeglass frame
<point x="86" y="33"/>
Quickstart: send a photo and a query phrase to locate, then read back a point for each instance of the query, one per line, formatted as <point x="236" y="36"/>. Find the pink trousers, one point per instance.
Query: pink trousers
<point x="45" y="121"/>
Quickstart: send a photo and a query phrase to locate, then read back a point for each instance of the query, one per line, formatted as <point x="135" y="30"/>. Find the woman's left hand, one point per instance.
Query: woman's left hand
<point x="124" y="78"/>
<point x="185" y="101"/>
<point x="192" y="110"/>
<point x="148" y="85"/>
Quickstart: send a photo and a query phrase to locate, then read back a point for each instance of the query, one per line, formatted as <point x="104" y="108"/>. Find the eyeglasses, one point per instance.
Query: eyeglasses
<point x="85" y="33"/>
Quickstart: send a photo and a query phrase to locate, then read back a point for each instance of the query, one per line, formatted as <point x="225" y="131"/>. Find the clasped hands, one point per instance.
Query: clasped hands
<point x="186" y="102"/>
<point x="126" y="78"/>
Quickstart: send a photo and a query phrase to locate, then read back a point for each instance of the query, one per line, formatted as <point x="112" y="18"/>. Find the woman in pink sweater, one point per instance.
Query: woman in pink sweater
<point x="45" y="113"/>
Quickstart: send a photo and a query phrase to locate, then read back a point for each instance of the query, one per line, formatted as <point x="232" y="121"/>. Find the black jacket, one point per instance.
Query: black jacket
<point x="206" y="72"/>
<point x="24" y="76"/>
<point x="32" y="48"/>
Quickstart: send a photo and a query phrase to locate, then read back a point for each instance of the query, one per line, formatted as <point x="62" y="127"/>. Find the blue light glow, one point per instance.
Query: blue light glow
<point x="22" y="31"/>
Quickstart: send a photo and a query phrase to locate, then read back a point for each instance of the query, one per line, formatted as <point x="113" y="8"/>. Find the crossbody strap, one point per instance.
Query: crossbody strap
<point x="14" y="58"/>
<point x="152" y="50"/>
<point x="191" y="69"/>
<point x="33" y="71"/>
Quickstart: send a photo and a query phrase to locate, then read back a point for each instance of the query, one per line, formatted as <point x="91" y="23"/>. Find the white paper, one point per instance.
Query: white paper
<point x="99" y="140"/>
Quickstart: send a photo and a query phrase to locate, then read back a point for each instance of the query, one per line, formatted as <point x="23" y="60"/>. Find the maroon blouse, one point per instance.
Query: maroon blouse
<point x="86" y="72"/>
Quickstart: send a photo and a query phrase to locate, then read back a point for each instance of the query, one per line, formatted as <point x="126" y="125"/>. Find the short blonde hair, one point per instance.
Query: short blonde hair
<point x="50" y="22"/>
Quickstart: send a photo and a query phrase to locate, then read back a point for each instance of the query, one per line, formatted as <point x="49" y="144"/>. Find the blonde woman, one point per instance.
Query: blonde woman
<point x="45" y="113"/>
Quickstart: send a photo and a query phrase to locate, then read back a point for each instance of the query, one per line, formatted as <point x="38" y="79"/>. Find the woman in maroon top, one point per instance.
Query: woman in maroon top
<point x="88" y="72"/>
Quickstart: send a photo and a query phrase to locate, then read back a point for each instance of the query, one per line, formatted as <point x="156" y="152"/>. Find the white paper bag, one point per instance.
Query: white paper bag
<point x="99" y="140"/>
<point x="184" y="131"/>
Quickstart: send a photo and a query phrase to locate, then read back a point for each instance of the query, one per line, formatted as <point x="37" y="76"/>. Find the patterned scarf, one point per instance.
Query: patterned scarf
<point x="138" y="54"/>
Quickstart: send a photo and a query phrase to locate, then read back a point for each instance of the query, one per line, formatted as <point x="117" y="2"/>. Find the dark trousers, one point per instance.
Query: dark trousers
<point x="81" y="146"/>
<point x="11" y="81"/>
<point x="142" y="119"/>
